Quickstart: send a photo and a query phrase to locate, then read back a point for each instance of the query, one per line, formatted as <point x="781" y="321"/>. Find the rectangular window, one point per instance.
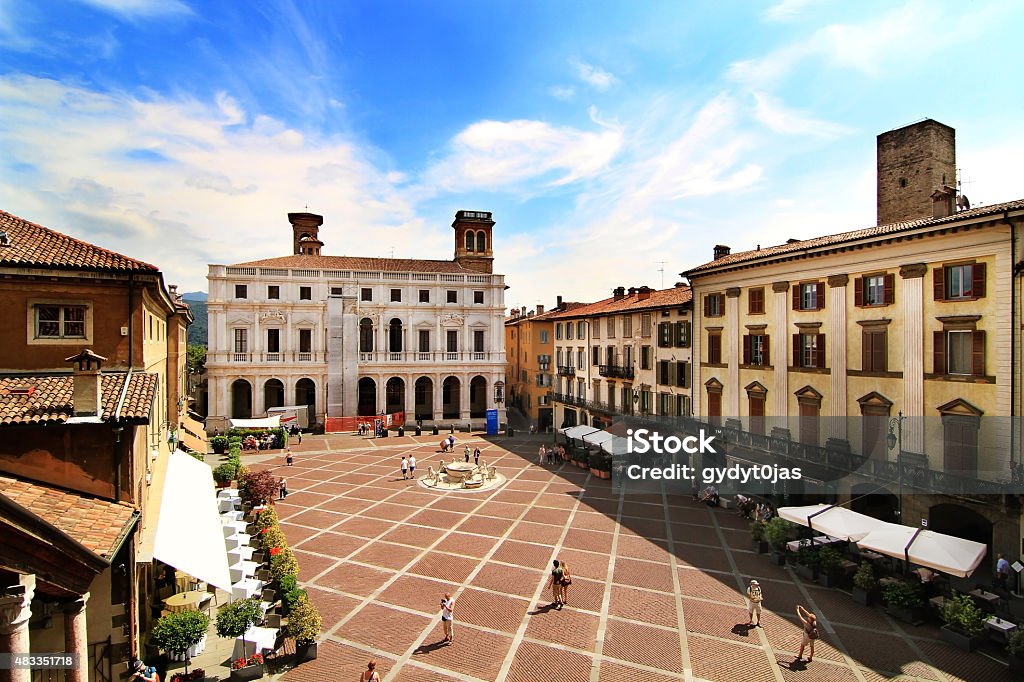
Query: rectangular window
<point x="682" y="377"/>
<point x="558" y="331"/>
<point x="610" y="327"/>
<point x="366" y="294"/>
<point x="273" y="340"/>
<point x="241" y="340"/>
<point x="396" y="295"/>
<point x="568" y="330"/>
<point x="959" y="354"/>
<point x="595" y="356"/>
<point x="627" y="326"/>
<point x="681" y="334"/>
<point x="273" y="291"/>
<point x="305" y="340"/>
<point x="581" y="356"/>
<point x="874" y="351"/>
<point x="682" y="409"/>
<point x="595" y="329"/>
<point x="645" y="357"/>
<point x="423" y="340"/>
<point x="453" y="296"/>
<point x="664" y="335"/>
<point x="714" y="305"/>
<point x="60" y="321"/>
<point x="452" y="341"/>
<point x="755" y="408"/>
<point x="874" y="290"/>
<point x="755" y="301"/>
<point x="424" y="295"/>
<point x="714" y="348"/>
<point x="809" y="296"/>
<point x="544" y="336"/>
<point x="581" y="330"/>
<point x="305" y="293"/>
<point x="241" y="291"/>
<point x="478" y="297"/>
<point x="665" y="403"/>
<point x="645" y="325"/>
<point x="478" y="341"/>
<point x="755" y="350"/>
<point x="809" y="350"/>
<point x="610" y="355"/>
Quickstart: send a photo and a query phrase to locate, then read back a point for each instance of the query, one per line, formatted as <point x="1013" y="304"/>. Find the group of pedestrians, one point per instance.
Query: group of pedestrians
<point x="408" y="467"/>
<point x="547" y="454"/>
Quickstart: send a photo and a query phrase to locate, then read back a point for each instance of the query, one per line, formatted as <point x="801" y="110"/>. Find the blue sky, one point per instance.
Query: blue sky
<point x="611" y="140"/>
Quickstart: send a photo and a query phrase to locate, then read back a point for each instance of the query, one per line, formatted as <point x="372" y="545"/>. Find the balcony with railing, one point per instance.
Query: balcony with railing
<point x="429" y="356"/>
<point x="266" y="357"/>
<point x="566" y="371"/>
<point x="615" y="371"/>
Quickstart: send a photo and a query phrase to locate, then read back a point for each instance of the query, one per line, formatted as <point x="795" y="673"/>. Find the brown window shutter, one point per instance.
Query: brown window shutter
<point x="890" y="289"/>
<point x="796" y="350"/>
<point x="978" y="280"/>
<point x="766" y="354"/>
<point x="707" y="306"/>
<point x="821" y="296"/>
<point x="939" y="283"/>
<point x="978" y="354"/>
<point x="746" y="349"/>
<point x="880" y="348"/>
<point x="796" y="297"/>
<point x="939" y="352"/>
<point x="865" y="352"/>
<point x="819" y="352"/>
<point x="858" y="292"/>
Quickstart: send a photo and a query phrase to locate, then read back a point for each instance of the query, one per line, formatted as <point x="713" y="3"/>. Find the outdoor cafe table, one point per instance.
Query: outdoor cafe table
<point x="227" y="493"/>
<point x="240" y="554"/>
<point x="795" y="545"/>
<point x="231" y="527"/>
<point x="243" y="589"/>
<point x="182" y="581"/>
<point x="1001" y="626"/>
<point x="226" y="504"/>
<point x="233" y="515"/>
<point x="870" y="556"/>
<point x="237" y="540"/>
<point x="986" y="597"/>
<point x="243" y="569"/>
<point x="256" y="639"/>
<point x="184" y="601"/>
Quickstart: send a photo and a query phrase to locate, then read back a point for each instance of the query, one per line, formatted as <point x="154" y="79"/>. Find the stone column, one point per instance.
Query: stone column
<point x="780" y="341"/>
<point x="732" y="350"/>
<point x="381" y="382"/>
<point x="410" y="399"/>
<point x="15" y="610"/>
<point x="438" y="395"/>
<point x="837" y="338"/>
<point x="913" y="355"/>
<point x="464" y="397"/>
<point x="76" y="637"/>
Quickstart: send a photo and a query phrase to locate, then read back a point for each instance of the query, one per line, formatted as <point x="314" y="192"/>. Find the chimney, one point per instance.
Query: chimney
<point x="173" y="289"/>
<point x="85" y="383"/>
<point x="558" y="303"/>
<point x="540" y="309"/>
<point x="643" y="293"/>
<point x="721" y="250"/>
<point x="619" y="293"/>
<point x="943" y="201"/>
<point x="792" y="241"/>
<point x="680" y="284"/>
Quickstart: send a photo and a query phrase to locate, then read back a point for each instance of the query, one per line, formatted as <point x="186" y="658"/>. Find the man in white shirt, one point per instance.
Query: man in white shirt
<point x="412" y="467"/>
<point x="1002" y="571"/>
<point x="447" y="617"/>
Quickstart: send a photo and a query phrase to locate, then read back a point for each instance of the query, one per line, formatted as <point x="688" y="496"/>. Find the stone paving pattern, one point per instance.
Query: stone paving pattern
<point x="656" y="592"/>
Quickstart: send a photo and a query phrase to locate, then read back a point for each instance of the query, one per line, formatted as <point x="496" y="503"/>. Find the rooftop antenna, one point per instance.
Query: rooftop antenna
<point x="662" y="271"/>
<point x="962" y="202"/>
<point x="392" y="252"/>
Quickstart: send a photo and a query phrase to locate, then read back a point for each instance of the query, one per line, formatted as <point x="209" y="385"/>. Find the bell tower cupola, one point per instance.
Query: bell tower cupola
<point x="474" y="249"/>
<point x="306" y="233"/>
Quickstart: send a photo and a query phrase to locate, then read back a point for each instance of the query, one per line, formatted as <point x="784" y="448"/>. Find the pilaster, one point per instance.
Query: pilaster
<point x="780" y="350"/>
<point x="913" y="354"/>
<point x="837" y="340"/>
<point x="732" y="352"/>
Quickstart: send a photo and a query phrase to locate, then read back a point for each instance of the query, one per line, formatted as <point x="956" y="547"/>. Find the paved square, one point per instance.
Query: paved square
<point x="656" y="594"/>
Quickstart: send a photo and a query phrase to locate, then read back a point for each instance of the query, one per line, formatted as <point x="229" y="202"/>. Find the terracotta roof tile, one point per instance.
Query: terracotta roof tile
<point x="47" y="399"/>
<point x="97" y="524"/>
<point x="855" y="235"/>
<point x="305" y="262"/>
<point x="660" y="298"/>
<point x="29" y="244"/>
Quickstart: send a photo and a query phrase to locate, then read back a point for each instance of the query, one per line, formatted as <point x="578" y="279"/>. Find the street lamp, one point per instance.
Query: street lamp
<point x="894" y="439"/>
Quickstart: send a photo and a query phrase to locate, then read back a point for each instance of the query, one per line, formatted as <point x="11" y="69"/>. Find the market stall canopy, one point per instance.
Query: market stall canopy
<point x="944" y="553"/>
<point x="265" y="423"/>
<point x="597" y="437"/>
<point x="578" y="431"/>
<point x="838" y="522"/>
<point x="189" y="535"/>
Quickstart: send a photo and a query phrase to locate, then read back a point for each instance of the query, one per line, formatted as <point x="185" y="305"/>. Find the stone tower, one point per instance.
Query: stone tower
<point x="306" y="233"/>
<point x="914" y="162"/>
<point x="473" y="247"/>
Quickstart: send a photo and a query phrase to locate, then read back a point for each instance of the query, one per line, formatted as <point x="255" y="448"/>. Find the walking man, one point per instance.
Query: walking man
<point x="288" y="458"/>
<point x="555" y="583"/>
<point x="1002" y="571"/>
<point x="447" y="617"/>
<point x="467" y="454"/>
<point x="754" y="598"/>
<point x="282" y="490"/>
<point x="412" y="467"/>
<point x="540" y="454"/>
<point x="405" y="468"/>
<point x="451" y="443"/>
<point x="476" y="456"/>
<point x="810" y="624"/>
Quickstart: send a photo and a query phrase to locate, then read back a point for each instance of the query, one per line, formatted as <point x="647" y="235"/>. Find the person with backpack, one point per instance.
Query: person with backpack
<point x="810" y="624"/>
<point x="370" y="674"/>
<point x="144" y="673"/>
<point x="754" y="597"/>
<point x="555" y="583"/>
<point x="566" y="581"/>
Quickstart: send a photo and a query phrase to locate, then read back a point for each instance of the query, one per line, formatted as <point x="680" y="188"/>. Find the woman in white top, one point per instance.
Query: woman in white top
<point x="447" y="616"/>
<point x="370" y="674"/>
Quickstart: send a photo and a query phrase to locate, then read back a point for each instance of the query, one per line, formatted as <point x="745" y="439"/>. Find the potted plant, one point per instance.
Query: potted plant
<point x="224" y="474"/>
<point x="290" y="593"/>
<point x="259" y="487"/>
<point x="828" y="563"/>
<point x="963" y="622"/>
<point x="233" y="621"/>
<point x="807" y="562"/>
<point x="758" y="541"/>
<point x="220" y="444"/>
<point x="272" y="537"/>
<point x="197" y="675"/>
<point x="904" y="601"/>
<point x="582" y="459"/>
<point x="304" y="627"/>
<point x="776" y="532"/>
<point x="266" y="518"/>
<point x="283" y="563"/>
<point x="864" y="584"/>
<point x="601" y="465"/>
<point x="1015" y="647"/>
<point x="176" y="633"/>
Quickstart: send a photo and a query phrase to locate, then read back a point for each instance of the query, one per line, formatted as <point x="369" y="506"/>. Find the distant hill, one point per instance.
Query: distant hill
<point x="194" y="296"/>
<point x="197" y="332"/>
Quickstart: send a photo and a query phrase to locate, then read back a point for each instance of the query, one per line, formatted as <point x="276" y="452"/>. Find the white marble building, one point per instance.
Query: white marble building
<point x="349" y="335"/>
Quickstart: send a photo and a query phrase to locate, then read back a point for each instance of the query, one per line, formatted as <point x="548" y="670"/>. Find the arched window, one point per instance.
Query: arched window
<point x="469" y="240"/>
<point x="481" y="241"/>
<point x="366" y="335"/>
<point x="395" y="336"/>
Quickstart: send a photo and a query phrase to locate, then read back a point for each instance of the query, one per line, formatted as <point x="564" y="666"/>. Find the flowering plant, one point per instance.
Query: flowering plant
<point x="238" y="663"/>
<point x="255" y="659"/>
<point x="274" y="551"/>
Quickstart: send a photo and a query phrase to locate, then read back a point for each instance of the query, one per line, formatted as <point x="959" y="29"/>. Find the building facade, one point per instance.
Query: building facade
<point x="91" y="397"/>
<point x="909" y="327"/>
<point x="529" y="348"/>
<point x="624" y="355"/>
<point x="351" y="336"/>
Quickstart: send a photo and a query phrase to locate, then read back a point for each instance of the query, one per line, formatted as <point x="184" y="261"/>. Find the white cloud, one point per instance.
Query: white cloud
<point x="142" y="9"/>
<point x="781" y="119"/>
<point x="787" y="10"/>
<point x="594" y="76"/>
<point x="563" y="92"/>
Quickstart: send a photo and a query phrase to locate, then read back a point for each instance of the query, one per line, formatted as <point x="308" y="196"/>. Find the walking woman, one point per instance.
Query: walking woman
<point x="370" y="674"/>
<point x="810" y="623"/>
<point x="566" y="582"/>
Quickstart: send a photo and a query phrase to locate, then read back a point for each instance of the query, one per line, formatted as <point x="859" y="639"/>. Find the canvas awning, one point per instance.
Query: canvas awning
<point x="188" y="533"/>
<point x="597" y="437"/>
<point x="617" y="445"/>
<point x="938" y="551"/>
<point x="265" y="423"/>
<point x="578" y="431"/>
<point x="838" y="522"/>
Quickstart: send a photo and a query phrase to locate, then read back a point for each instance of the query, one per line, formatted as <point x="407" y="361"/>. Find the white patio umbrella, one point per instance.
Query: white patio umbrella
<point x="577" y="431"/>
<point x="839" y="522"/>
<point x="938" y="551"/>
<point x="597" y="437"/>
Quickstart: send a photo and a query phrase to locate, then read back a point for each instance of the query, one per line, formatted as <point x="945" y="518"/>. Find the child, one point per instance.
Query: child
<point x="405" y="468"/>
